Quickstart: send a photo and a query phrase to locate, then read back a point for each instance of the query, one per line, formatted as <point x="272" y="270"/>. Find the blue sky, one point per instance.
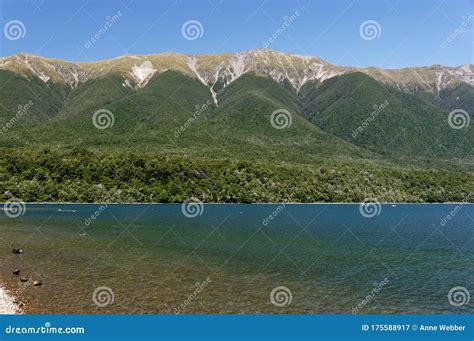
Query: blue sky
<point x="412" y="32"/>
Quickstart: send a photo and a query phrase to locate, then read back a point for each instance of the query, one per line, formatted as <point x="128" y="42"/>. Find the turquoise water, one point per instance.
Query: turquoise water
<point x="153" y="258"/>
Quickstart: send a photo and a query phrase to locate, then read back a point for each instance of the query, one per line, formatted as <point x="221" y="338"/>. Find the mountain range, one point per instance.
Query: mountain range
<point x="220" y="106"/>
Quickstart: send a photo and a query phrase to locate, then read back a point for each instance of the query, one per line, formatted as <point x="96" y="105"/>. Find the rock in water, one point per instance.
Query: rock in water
<point x="37" y="283"/>
<point x="23" y="279"/>
<point x="16" y="271"/>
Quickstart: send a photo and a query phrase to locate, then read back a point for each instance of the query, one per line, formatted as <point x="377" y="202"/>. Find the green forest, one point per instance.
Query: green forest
<point x="85" y="176"/>
<point x="231" y="152"/>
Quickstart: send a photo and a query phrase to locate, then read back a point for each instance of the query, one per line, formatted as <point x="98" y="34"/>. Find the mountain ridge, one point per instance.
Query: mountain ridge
<point x="154" y="95"/>
<point x="217" y="71"/>
<point x="219" y="54"/>
<point x="111" y="129"/>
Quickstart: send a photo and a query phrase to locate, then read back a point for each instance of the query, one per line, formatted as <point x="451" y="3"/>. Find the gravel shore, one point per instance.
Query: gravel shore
<point x="7" y="303"/>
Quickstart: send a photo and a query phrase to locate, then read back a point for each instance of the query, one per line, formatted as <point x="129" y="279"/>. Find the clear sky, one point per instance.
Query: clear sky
<point x="404" y="32"/>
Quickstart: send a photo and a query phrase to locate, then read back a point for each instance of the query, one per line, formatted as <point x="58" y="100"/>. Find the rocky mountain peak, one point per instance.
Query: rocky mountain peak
<point x="220" y="70"/>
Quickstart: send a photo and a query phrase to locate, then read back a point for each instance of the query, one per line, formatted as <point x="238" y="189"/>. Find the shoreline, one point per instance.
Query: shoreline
<point x="9" y="303"/>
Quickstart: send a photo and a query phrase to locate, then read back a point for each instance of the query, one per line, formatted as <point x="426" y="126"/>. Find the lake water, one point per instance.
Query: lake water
<point x="230" y="258"/>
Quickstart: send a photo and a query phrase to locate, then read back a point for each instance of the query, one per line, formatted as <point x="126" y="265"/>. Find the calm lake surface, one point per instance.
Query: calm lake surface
<point x="153" y="258"/>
